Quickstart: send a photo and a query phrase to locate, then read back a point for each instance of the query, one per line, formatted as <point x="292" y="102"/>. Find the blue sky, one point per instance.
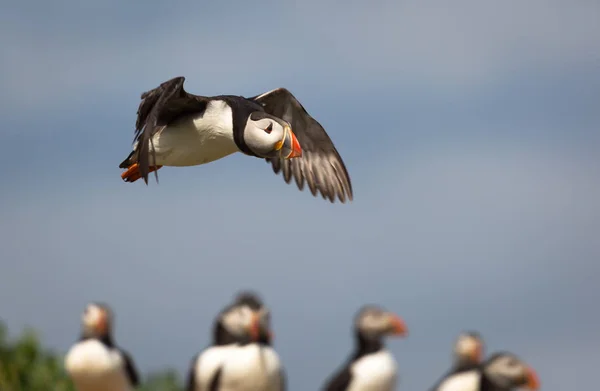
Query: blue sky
<point x="470" y="131"/>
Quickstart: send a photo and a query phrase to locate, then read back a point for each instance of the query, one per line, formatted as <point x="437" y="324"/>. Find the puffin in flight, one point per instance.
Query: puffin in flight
<point x="95" y="363"/>
<point x="176" y="128"/>
<point x="502" y="371"/>
<point x="371" y="367"/>
<point x="240" y="358"/>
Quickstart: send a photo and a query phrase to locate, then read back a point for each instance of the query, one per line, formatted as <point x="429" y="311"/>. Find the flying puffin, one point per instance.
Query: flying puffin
<point x="240" y="358"/>
<point x="467" y="352"/>
<point x="95" y="363"/>
<point x="501" y="372"/>
<point x="371" y="367"/>
<point x="176" y="128"/>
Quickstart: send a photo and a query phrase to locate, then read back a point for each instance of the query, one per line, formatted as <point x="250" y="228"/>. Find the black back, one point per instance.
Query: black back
<point x="363" y="346"/>
<point x="157" y="109"/>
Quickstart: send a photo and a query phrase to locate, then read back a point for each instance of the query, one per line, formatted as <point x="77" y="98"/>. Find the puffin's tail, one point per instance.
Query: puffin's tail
<point x="132" y="173"/>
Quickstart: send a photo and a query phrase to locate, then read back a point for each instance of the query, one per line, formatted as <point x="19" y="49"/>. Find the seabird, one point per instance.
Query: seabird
<point x="95" y="363"/>
<point x="176" y="128"/>
<point x="467" y="354"/>
<point x="468" y="351"/>
<point x="501" y="372"/>
<point x="240" y="358"/>
<point x="371" y="367"/>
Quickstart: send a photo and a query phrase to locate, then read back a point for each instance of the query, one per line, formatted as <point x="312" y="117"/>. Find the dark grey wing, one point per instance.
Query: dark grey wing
<point x="130" y="369"/>
<point x="191" y="376"/>
<point x="156" y="110"/>
<point x="340" y="381"/>
<point x="320" y="164"/>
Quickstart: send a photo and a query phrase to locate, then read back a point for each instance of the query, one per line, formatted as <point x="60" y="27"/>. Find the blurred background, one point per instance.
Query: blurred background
<point x="470" y="130"/>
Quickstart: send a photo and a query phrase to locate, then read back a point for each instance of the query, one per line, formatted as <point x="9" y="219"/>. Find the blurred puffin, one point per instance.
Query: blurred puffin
<point x="253" y="301"/>
<point x="176" y="128"/>
<point x="240" y="358"/>
<point x="467" y="353"/>
<point x="501" y="372"/>
<point x="371" y="367"/>
<point x="95" y="363"/>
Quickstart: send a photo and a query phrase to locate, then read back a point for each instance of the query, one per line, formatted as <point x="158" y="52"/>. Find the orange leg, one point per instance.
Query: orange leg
<point x="133" y="172"/>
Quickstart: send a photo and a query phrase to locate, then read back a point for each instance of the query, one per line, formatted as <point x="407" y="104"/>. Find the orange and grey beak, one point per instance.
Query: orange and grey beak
<point x="255" y="327"/>
<point x="288" y="147"/>
<point x="397" y="326"/>
<point x="102" y="325"/>
<point x="476" y="353"/>
<point x="532" y="380"/>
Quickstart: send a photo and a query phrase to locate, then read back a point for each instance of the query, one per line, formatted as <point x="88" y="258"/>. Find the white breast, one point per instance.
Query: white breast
<point x="244" y="368"/>
<point x="196" y="140"/>
<point x="94" y="367"/>
<point x="374" y="372"/>
<point x="464" y="381"/>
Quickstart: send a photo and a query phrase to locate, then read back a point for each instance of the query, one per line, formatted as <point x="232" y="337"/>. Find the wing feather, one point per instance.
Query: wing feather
<point x="321" y="166"/>
<point x="157" y="109"/>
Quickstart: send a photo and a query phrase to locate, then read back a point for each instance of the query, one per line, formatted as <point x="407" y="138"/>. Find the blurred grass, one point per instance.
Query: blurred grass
<point x="26" y="365"/>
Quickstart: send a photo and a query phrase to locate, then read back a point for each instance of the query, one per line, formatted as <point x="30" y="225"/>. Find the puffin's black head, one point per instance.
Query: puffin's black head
<point x="239" y="323"/>
<point x="270" y="137"/>
<point x="507" y="371"/>
<point x="254" y="301"/>
<point x="96" y="320"/>
<point x="373" y="322"/>
<point x="250" y="298"/>
<point x="468" y="348"/>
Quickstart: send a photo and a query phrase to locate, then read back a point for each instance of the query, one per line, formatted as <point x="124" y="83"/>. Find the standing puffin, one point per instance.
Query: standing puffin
<point x="252" y="300"/>
<point x="95" y="363"/>
<point x="237" y="359"/>
<point x="176" y="128"/>
<point x="501" y="372"/>
<point x="467" y="352"/>
<point x="371" y="367"/>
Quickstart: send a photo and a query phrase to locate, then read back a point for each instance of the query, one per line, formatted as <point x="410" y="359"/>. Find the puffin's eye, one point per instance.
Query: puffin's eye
<point x="269" y="128"/>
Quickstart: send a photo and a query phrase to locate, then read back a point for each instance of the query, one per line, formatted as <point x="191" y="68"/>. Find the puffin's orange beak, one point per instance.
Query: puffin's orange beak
<point x="533" y="382"/>
<point x="398" y="325"/>
<point x="296" y="149"/>
<point x="102" y="325"/>
<point x="255" y="327"/>
<point x="476" y="353"/>
<point x="289" y="147"/>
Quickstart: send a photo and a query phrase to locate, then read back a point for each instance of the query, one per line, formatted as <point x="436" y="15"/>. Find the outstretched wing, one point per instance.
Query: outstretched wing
<point x="156" y="110"/>
<point x="320" y="164"/>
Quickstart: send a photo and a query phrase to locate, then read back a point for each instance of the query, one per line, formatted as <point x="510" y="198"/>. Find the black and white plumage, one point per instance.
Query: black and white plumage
<point x="241" y="357"/>
<point x="95" y="362"/>
<point x="500" y="372"/>
<point x="468" y="351"/>
<point x="176" y="128"/>
<point x="467" y="354"/>
<point x="371" y="367"/>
